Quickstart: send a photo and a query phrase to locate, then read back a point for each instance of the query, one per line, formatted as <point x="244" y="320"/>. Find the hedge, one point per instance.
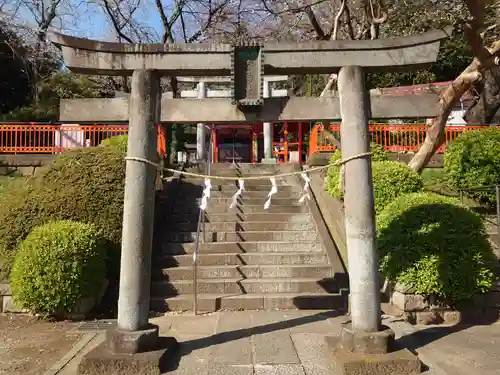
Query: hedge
<point x="120" y="142"/>
<point x="332" y="179"/>
<point x="56" y="266"/>
<point x="390" y="180"/>
<point x="436" y="246"/>
<point x="473" y="160"/>
<point x="85" y="185"/>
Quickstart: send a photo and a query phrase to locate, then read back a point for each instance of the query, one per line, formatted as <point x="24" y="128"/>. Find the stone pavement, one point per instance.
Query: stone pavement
<point x="292" y="343"/>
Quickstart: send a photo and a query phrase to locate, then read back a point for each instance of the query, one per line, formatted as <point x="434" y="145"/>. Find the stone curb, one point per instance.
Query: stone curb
<point x="403" y="328"/>
<point x="80" y="345"/>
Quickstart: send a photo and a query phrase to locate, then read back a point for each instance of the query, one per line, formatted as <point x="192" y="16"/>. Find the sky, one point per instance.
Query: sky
<point x="84" y="18"/>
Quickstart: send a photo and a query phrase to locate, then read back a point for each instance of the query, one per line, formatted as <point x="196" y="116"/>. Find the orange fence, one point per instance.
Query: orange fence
<point x="52" y="139"/>
<point x="394" y="138"/>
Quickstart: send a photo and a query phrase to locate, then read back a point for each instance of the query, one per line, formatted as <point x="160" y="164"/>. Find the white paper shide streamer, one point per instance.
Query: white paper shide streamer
<point x="274" y="190"/>
<point x="305" y="190"/>
<point x="241" y="189"/>
<point x="206" y="194"/>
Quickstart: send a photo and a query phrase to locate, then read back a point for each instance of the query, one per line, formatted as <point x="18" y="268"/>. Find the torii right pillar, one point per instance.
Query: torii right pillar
<point x="365" y="346"/>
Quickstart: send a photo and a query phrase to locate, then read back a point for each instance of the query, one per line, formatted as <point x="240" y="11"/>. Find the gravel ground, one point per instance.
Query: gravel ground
<point x="29" y="346"/>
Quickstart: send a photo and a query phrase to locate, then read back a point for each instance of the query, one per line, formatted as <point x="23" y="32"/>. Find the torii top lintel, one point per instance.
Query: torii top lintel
<point x="106" y="58"/>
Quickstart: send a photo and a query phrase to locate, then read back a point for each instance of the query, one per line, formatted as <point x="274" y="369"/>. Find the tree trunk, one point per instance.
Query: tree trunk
<point x="484" y="109"/>
<point x="447" y="99"/>
<point x="436" y="132"/>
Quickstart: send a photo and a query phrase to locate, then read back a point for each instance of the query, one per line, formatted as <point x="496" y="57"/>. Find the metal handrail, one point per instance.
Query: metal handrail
<point x="199" y="229"/>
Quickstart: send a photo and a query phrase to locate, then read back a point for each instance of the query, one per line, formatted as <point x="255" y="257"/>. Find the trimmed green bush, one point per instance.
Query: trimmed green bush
<point x="332" y="179"/>
<point x="436" y="246"/>
<point x="56" y="266"/>
<point x="378" y="152"/>
<point x="390" y="180"/>
<point x="473" y="160"/>
<point x="85" y="185"/>
<point x="120" y="142"/>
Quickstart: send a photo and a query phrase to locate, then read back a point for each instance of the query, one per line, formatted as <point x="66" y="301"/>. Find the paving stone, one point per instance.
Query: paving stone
<point x="315" y="370"/>
<point x="185" y="324"/>
<point x="274" y="348"/>
<point x="313" y="352"/>
<point x="279" y="370"/>
<point x="315" y="324"/>
<point x="193" y="348"/>
<point x="228" y="350"/>
<point x="234" y="320"/>
<point x="212" y="369"/>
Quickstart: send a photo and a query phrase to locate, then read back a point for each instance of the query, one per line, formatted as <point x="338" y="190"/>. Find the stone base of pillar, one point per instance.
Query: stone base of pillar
<point x="362" y="353"/>
<point x="268" y="161"/>
<point x="129" y="353"/>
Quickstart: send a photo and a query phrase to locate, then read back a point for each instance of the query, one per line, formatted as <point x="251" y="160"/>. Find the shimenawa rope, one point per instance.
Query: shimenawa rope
<point x="241" y="180"/>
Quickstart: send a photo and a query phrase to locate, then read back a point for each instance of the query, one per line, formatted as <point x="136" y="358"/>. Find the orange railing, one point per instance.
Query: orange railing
<point x="394" y="138"/>
<point x="52" y="139"/>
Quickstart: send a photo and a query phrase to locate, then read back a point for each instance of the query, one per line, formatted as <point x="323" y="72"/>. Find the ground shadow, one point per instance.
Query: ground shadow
<point x="185" y="348"/>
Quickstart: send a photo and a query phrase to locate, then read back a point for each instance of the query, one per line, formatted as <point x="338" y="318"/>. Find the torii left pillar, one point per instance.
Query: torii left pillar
<point x="135" y="343"/>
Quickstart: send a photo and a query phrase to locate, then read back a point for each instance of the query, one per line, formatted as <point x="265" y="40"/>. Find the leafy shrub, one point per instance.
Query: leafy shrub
<point x="119" y="141"/>
<point x="378" y="152"/>
<point x="473" y="160"/>
<point x="56" y="266"/>
<point x="332" y="179"/>
<point x="85" y="185"/>
<point x="434" y="245"/>
<point x="390" y="180"/>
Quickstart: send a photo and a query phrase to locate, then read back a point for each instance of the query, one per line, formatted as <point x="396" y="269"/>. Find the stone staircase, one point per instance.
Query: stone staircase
<point x="252" y="258"/>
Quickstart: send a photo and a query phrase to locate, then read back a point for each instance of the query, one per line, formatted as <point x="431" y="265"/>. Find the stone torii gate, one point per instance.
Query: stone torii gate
<point x="365" y="343"/>
<point x="105" y="109"/>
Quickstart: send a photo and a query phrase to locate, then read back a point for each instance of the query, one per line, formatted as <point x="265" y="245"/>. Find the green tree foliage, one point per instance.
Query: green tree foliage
<point x="16" y="88"/>
<point x="60" y="85"/>
<point x="418" y="16"/>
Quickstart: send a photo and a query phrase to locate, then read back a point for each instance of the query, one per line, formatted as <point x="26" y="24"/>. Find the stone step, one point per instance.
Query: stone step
<point x="249" y="226"/>
<point x="242" y="217"/>
<point x="245" y="195"/>
<point x="232" y="186"/>
<point x="246" y="286"/>
<point x="241" y="236"/>
<point x="255" y="301"/>
<point x="218" y="203"/>
<point x="233" y="181"/>
<point x="220" y="209"/>
<point x="246" y="272"/>
<point x="260" y="259"/>
<point x="261" y="194"/>
<point x="243" y="247"/>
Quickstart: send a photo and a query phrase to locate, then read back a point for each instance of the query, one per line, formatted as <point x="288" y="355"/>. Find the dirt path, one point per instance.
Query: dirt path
<point x="29" y="346"/>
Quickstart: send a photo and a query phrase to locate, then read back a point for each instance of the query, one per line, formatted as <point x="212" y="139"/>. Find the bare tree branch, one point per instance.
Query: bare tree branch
<point x="484" y="58"/>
